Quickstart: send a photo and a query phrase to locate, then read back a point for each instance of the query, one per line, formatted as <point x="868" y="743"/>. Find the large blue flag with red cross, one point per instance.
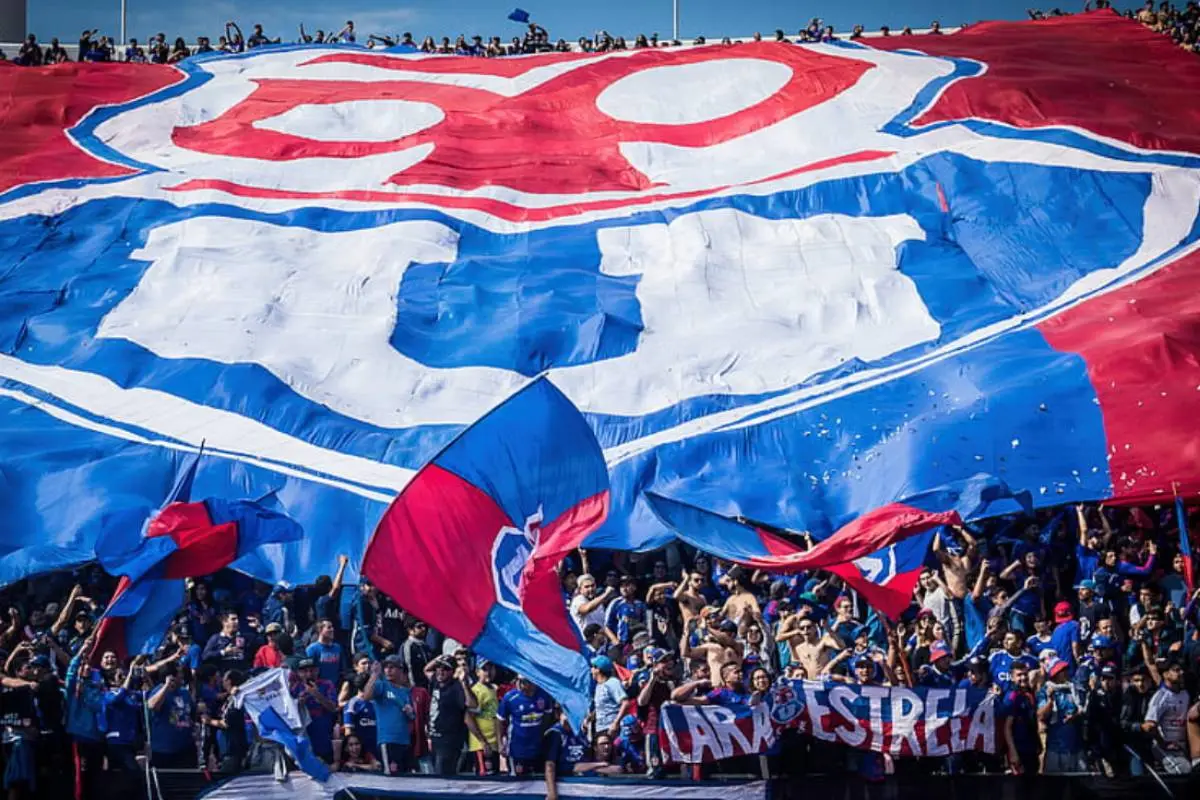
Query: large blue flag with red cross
<point x="471" y="544"/>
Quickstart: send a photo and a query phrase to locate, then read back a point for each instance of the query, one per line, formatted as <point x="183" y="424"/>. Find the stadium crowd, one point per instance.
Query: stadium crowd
<point x="1091" y="643"/>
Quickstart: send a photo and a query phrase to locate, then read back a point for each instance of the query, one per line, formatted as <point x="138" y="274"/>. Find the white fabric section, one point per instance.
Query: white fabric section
<point x="730" y="303"/>
<point x="270" y="690"/>
<point x="301" y="787"/>
<point x="224" y="433"/>
<point x="355" y="120"/>
<point x="689" y="93"/>
<point x="733" y="303"/>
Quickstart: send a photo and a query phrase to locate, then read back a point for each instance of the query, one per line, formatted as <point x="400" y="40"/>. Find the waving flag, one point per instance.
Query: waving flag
<point x="519" y="15"/>
<point x="274" y="712"/>
<point x="471" y="544"/>
<point x="1185" y="545"/>
<point x="183" y="540"/>
<point x="790" y="283"/>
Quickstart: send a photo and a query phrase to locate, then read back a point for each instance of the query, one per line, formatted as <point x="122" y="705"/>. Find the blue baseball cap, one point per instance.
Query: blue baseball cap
<point x="1100" y="640"/>
<point x="1088" y="584"/>
<point x="604" y="664"/>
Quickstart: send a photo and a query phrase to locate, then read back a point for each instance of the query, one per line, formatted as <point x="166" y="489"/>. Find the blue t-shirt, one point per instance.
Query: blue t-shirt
<point x="564" y="749"/>
<point x="321" y="719"/>
<point x="525" y="716"/>
<point x="1066" y="634"/>
<point x="328" y="658"/>
<point x="724" y="696"/>
<point x="1020" y="706"/>
<point x="392" y="724"/>
<point x="171" y="725"/>
<point x="607" y="701"/>
<point x="1086" y="562"/>
<point x="1061" y="736"/>
<point x="360" y="716"/>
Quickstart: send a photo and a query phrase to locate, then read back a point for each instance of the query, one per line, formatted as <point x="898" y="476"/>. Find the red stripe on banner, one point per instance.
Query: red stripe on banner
<point x="1140" y="97"/>
<point x="1141" y="344"/>
<point x="498" y="208"/>
<point x="41" y="104"/>
<point x="437" y="535"/>
<point x="110" y="631"/>
<point x="542" y="597"/>
<point x="891" y="599"/>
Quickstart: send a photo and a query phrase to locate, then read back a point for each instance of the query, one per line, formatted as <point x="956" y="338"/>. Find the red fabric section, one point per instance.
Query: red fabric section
<point x="1141" y="344"/>
<point x="110" y="631"/>
<point x="891" y="600"/>
<point x="541" y="592"/>
<point x="204" y="548"/>
<point x="1049" y="72"/>
<point x="551" y="139"/>
<point x="873" y="531"/>
<point x="38" y="104"/>
<point x="438" y="534"/>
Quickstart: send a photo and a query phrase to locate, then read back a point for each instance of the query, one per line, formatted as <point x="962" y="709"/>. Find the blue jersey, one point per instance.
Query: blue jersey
<point x="623" y="615"/>
<point x="328" y="658"/>
<point x="525" y="716"/>
<point x="1020" y="706"/>
<point x="359" y="715"/>
<point x="393" y="725"/>
<point x="1037" y="646"/>
<point x="565" y="749"/>
<point x="171" y="724"/>
<point x="1061" y="736"/>
<point x="1064" y="637"/>
<point x="727" y="697"/>
<point x="1000" y="665"/>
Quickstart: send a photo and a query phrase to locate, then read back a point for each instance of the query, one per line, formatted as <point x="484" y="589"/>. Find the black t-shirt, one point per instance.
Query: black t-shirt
<point x="51" y="706"/>
<point x="447" y="710"/>
<point x="237" y="746"/>
<point x="18" y="709"/>
<point x="391" y="622"/>
<point x="416" y="655"/>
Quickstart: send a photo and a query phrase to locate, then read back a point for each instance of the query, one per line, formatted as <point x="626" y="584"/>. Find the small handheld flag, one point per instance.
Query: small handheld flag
<point x="1185" y="545"/>
<point x="519" y="15"/>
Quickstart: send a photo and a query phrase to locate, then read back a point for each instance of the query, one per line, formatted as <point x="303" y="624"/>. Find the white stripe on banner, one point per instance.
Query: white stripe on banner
<point x="301" y="787"/>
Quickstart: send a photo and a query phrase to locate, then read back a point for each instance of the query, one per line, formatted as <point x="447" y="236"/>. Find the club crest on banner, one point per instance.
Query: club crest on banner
<point x="510" y="552"/>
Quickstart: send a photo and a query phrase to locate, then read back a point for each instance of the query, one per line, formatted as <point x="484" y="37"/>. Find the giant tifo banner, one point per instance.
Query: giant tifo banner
<point x="886" y="719"/>
<point x="795" y="283"/>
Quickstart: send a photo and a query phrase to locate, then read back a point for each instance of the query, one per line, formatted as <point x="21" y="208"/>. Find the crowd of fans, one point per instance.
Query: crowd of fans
<point x="535" y="40"/>
<point x="1091" y="643"/>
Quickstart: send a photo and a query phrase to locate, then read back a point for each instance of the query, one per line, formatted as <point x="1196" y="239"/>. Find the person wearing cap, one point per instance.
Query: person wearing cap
<point x="1016" y="714"/>
<point x="364" y="621"/>
<point x="388" y="688"/>
<point x="652" y="690"/>
<point x="450" y="700"/>
<point x="626" y="611"/>
<point x="1102" y="724"/>
<point x="483" y="739"/>
<point x="977" y="674"/>
<point x="171" y="710"/>
<point x="939" y="672"/>
<point x="271" y="654"/>
<point x="319" y="698"/>
<point x="416" y="652"/>
<point x="520" y="720"/>
<point x="1066" y="640"/>
<point x="1102" y="649"/>
<point x="278" y="608"/>
<point x="610" y="701"/>
<point x="1091" y="610"/>
<point x="1060" y="710"/>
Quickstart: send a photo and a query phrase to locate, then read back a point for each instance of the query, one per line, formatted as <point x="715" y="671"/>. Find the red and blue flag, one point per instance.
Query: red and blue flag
<point x="471" y="544"/>
<point x="183" y="540"/>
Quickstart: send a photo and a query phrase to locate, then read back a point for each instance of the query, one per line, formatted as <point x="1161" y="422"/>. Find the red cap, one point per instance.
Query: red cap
<point x="1063" y="612"/>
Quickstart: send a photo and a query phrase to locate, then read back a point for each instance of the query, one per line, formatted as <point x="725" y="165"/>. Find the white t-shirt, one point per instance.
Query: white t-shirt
<point x="1168" y="710"/>
<point x="596" y="615"/>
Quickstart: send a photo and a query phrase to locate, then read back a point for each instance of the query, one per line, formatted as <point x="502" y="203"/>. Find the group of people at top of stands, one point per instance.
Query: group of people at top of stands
<point x="1091" y="641"/>
<point x="535" y="40"/>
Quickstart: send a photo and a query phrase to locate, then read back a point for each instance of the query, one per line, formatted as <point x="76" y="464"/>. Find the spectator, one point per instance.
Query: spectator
<point x="394" y="714"/>
<point x="134" y="54"/>
<point x="449" y="702"/>
<point x="257" y="37"/>
<point x="610" y="702"/>
<point x="55" y="53"/>
<point x="171" y="707"/>
<point x="1060" y="709"/>
<point x="415" y="652"/>
<point x="319" y="698"/>
<point x="1166" y="717"/>
<point x="521" y="718"/>
<point x="226" y="649"/>
<point x="358" y="716"/>
<point x="271" y="654"/>
<point x="484" y="738"/>
<point x="327" y="653"/>
<point x="357" y="757"/>
<point x="1017" y="717"/>
<point x="232" y="722"/>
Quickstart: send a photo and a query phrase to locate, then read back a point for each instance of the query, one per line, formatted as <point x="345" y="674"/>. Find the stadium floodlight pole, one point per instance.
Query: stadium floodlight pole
<point x="674" y="19"/>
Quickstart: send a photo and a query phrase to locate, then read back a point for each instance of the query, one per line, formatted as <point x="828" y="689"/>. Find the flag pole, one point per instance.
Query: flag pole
<point x="674" y="19"/>
<point x="124" y="16"/>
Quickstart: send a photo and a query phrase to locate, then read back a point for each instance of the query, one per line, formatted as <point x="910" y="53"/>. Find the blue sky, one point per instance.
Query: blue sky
<point x="66" y="18"/>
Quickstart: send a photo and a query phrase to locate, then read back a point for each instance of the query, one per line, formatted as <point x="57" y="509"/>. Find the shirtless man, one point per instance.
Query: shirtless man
<point x="687" y="594"/>
<point x="809" y="648"/>
<point x="719" y="646"/>
<point x="741" y="600"/>
<point x="956" y="567"/>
